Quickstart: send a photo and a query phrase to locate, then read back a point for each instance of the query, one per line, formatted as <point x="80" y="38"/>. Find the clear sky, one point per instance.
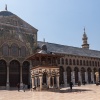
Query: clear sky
<point x="60" y="21"/>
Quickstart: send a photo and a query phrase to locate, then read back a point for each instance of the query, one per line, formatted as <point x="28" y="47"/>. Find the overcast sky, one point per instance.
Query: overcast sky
<point x="60" y="21"/>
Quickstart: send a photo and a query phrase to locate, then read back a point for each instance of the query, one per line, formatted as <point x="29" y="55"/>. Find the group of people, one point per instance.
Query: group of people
<point x="18" y="86"/>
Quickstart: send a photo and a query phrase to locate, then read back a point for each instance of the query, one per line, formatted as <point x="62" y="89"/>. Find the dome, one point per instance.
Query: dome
<point x="44" y="47"/>
<point x="6" y="13"/>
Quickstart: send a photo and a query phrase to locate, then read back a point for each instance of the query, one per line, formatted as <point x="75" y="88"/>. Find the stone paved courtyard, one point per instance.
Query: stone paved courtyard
<point x="87" y="92"/>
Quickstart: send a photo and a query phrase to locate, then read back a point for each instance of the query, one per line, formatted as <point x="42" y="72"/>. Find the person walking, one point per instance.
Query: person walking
<point x="71" y="84"/>
<point x="18" y="87"/>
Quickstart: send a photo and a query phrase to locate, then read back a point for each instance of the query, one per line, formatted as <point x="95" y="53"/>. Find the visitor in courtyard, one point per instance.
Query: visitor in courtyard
<point x="18" y="86"/>
<point x="71" y="84"/>
<point x="24" y="87"/>
<point x="79" y="83"/>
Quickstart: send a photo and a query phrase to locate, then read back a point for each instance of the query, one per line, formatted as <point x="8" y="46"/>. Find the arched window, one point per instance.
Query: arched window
<point x="70" y="62"/>
<point x="95" y="63"/>
<point x="90" y="63"/>
<point x="77" y="62"/>
<point x="5" y="50"/>
<point x="87" y="63"/>
<point x="14" y="50"/>
<point x="62" y="61"/>
<point x="74" y="62"/>
<point x="58" y="61"/>
<point x="66" y="61"/>
<point x="80" y="62"/>
<point x="23" y="51"/>
<point x="84" y="62"/>
<point x="98" y="64"/>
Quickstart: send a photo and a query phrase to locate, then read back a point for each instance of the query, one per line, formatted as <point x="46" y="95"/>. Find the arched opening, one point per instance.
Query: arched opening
<point x="3" y="73"/>
<point x="89" y="74"/>
<point x="76" y="74"/>
<point x="68" y="74"/>
<point x="5" y="50"/>
<point x="44" y="78"/>
<point x="14" y="73"/>
<point x="25" y="72"/>
<point x="99" y="74"/>
<point x="61" y="79"/>
<point x="83" y="74"/>
<point x="95" y="70"/>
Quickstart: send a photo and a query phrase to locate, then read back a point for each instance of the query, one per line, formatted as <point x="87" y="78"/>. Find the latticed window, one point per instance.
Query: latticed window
<point x="14" y="50"/>
<point x="5" y="50"/>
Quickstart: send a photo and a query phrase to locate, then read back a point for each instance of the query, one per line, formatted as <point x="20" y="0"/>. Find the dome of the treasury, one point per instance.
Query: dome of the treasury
<point x="14" y="29"/>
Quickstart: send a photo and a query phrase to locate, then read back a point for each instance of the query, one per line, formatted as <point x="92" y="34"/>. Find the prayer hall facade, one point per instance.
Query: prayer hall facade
<point x="21" y="53"/>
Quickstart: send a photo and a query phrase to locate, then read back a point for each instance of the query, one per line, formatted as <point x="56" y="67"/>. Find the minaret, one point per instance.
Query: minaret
<point x="85" y="43"/>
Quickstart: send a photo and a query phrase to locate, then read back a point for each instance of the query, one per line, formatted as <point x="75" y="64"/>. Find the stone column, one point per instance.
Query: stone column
<point x="48" y="81"/>
<point x="73" y="77"/>
<point x="65" y="78"/>
<point x="40" y="77"/>
<point x="32" y="82"/>
<point x="21" y="82"/>
<point x="79" y="77"/>
<point x="7" y="84"/>
<point x="57" y="81"/>
<point x="35" y="81"/>
<point x="86" y="77"/>
<point x="92" y="77"/>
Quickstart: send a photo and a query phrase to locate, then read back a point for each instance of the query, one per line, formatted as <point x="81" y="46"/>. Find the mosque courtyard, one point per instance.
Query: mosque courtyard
<point x="87" y="92"/>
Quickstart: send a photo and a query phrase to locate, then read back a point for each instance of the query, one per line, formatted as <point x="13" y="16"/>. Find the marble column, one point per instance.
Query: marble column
<point x="32" y="82"/>
<point x="65" y="78"/>
<point x="40" y="77"/>
<point x="57" y="81"/>
<point x="35" y="81"/>
<point x="73" y="77"/>
<point x="21" y="82"/>
<point x="92" y="77"/>
<point x="79" y="77"/>
<point x="7" y="84"/>
<point x="86" y="77"/>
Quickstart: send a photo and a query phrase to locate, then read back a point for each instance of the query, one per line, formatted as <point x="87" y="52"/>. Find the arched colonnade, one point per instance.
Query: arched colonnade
<point x="13" y="73"/>
<point x="77" y="74"/>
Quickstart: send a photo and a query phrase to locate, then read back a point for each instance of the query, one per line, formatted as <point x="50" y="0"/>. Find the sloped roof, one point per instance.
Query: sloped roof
<point x="64" y="49"/>
<point x="5" y="15"/>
